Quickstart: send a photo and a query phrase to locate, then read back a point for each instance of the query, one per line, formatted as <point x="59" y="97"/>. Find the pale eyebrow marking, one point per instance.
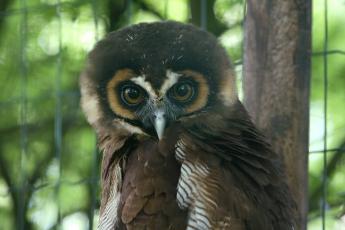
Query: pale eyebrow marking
<point x="172" y="78"/>
<point x="141" y="81"/>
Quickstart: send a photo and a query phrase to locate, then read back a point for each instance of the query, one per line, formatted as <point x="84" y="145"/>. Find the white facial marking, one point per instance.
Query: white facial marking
<point x="228" y="90"/>
<point x="171" y="80"/>
<point x="130" y="128"/>
<point x="92" y="109"/>
<point x="159" y="123"/>
<point x="90" y="102"/>
<point x="141" y="81"/>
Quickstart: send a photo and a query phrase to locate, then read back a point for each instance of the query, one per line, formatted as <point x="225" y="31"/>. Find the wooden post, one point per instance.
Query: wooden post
<point x="276" y="84"/>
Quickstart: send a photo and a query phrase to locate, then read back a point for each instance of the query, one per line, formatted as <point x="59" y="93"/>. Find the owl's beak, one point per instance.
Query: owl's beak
<point x="159" y="123"/>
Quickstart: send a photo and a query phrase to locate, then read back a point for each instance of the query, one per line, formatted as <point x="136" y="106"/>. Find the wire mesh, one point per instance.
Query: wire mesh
<point x="60" y="94"/>
<point x="58" y="111"/>
<point x="325" y="82"/>
<point x="94" y="174"/>
<point x="23" y="118"/>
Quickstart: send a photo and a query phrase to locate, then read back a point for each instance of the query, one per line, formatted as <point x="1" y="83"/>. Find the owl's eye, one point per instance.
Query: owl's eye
<point x="182" y="92"/>
<point x="132" y="95"/>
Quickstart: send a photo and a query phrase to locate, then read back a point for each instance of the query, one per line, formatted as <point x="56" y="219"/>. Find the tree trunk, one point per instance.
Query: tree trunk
<point x="276" y="84"/>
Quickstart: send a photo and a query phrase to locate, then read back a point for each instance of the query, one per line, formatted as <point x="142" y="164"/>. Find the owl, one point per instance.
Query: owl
<point x="179" y="149"/>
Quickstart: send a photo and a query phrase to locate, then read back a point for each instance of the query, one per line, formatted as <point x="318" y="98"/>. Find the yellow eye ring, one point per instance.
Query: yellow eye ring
<point x="182" y="92"/>
<point x="132" y="95"/>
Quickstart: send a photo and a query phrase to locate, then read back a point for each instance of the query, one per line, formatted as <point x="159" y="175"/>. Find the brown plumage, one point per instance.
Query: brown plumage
<point x="179" y="150"/>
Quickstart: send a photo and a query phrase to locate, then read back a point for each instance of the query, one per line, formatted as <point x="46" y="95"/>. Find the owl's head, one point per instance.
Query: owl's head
<point x="150" y="76"/>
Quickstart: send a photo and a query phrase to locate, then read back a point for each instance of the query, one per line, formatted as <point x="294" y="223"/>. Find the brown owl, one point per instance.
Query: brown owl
<point x="179" y="150"/>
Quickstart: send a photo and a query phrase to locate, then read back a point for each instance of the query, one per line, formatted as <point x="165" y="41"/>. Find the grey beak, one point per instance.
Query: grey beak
<point x="159" y="123"/>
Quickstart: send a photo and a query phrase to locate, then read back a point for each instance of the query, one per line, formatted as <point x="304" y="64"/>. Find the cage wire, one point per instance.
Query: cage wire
<point x="23" y="113"/>
<point x="23" y="101"/>
<point x="325" y="81"/>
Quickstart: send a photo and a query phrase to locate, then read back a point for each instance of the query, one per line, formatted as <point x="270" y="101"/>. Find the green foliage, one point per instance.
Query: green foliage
<point x="335" y="115"/>
<point x="41" y="55"/>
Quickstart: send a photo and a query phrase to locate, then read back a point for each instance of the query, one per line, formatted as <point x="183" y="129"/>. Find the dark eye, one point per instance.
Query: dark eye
<point x="182" y="92"/>
<point x="132" y="95"/>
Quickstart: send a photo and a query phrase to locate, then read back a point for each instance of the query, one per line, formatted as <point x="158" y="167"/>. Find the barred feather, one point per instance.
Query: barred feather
<point x="198" y="190"/>
<point x="230" y="178"/>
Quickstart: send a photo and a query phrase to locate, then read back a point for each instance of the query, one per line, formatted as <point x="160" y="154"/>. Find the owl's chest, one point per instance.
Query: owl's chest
<point x="148" y="196"/>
